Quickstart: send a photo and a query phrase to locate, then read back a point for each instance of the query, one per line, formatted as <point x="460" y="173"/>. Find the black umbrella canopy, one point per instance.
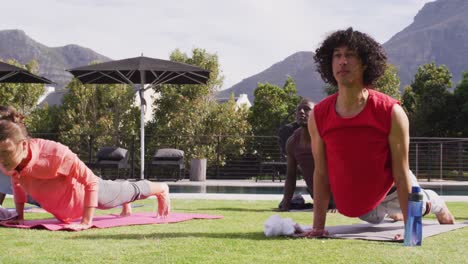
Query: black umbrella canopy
<point x="139" y="71"/>
<point x="132" y="70"/>
<point x="13" y="74"/>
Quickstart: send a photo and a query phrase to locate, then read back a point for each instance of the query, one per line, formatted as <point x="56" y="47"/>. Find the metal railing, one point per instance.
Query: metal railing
<point x="430" y="158"/>
<point x="439" y="158"/>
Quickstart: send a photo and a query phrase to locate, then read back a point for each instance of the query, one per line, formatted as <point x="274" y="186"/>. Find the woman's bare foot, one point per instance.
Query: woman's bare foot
<point x="445" y="217"/>
<point x="164" y="203"/>
<point x="126" y="210"/>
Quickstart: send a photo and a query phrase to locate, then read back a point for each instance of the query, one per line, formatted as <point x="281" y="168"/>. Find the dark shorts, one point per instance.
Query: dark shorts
<point x="116" y="193"/>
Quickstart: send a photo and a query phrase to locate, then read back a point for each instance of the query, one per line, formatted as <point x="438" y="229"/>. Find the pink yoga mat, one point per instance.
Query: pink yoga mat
<point x="112" y="220"/>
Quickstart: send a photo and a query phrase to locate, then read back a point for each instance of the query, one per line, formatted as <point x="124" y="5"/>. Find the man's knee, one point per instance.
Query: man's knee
<point x="373" y="217"/>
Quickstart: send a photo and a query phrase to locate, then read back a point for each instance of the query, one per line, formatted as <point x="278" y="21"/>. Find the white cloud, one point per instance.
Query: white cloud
<point x="248" y="35"/>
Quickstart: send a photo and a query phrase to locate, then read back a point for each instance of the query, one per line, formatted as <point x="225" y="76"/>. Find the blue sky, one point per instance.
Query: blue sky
<point x="248" y="35"/>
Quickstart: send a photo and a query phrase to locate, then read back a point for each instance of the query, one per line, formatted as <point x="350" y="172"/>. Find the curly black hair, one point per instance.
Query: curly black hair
<point x="11" y="122"/>
<point x="369" y="51"/>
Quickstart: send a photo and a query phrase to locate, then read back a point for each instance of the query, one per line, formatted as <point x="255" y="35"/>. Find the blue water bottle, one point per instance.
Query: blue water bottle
<point x="413" y="228"/>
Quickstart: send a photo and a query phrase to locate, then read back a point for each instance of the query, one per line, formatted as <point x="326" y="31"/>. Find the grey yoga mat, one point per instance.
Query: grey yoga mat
<point x="387" y="230"/>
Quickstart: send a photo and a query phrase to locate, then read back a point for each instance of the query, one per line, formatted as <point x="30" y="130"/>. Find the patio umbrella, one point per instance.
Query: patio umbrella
<point x="13" y="74"/>
<point x="139" y="71"/>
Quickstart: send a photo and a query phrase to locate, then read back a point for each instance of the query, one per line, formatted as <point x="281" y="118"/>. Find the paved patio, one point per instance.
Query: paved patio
<point x="277" y="197"/>
<point x="268" y="183"/>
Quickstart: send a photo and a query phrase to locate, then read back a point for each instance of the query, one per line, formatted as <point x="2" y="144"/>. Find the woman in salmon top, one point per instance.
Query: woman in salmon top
<point x="60" y="182"/>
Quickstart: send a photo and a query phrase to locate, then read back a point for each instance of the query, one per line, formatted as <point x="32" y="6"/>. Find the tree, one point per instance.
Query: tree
<point x="461" y="101"/>
<point x="432" y="115"/>
<point x="409" y="100"/>
<point x="45" y="120"/>
<point x="292" y="99"/>
<point x="388" y="83"/>
<point x="185" y="98"/>
<point x="191" y="115"/>
<point x="272" y="105"/>
<point x="106" y="112"/>
<point x="229" y="124"/>
<point x="330" y="89"/>
<point x="22" y="96"/>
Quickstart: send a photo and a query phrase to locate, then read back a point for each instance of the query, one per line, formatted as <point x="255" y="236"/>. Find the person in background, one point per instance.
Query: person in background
<point x="299" y="156"/>
<point x="60" y="182"/>
<point x="360" y="138"/>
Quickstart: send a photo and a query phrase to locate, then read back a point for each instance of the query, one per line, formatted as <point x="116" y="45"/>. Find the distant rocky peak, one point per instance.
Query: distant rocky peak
<point x="15" y="44"/>
<point x="16" y="36"/>
<point x="294" y="62"/>
<point x="14" y="33"/>
<point x="78" y="55"/>
<point x="73" y="47"/>
<point x="437" y="11"/>
<point x="300" y="56"/>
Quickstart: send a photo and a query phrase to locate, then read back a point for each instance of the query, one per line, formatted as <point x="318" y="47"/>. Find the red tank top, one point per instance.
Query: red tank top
<point x="358" y="153"/>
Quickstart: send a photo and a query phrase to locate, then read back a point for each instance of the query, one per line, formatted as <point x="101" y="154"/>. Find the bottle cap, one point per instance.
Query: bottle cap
<point x="415" y="189"/>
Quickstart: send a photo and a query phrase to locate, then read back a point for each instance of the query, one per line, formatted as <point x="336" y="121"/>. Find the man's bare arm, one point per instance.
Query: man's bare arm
<point x="321" y="184"/>
<point x="399" y="147"/>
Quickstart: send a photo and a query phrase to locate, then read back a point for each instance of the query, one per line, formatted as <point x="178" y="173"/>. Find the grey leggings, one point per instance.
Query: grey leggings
<point x="391" y="204"/>
<point x="116" y="193"/>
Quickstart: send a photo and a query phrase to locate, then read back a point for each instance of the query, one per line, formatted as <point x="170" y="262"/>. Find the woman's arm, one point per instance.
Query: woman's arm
<point x="20" y="197"/>
<point x="86" y="220"/>
<point x="20" y="211"/>
<point x="77" y="169"/>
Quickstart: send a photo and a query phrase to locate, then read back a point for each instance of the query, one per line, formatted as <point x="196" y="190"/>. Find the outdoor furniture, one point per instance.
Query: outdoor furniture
<point x="112" y="158"/>
<point x="275" y="168"/>
<point x="137" y="72"/>
<point x="172" y="159"/>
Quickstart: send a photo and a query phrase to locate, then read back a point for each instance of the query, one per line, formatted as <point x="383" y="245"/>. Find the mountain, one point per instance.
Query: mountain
<point x="15" y="44"/>
<point x="300" y="66"/>
<point x="438" y="34"/>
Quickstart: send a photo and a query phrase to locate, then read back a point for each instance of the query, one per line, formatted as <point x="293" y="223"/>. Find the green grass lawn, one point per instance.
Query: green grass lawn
<point x="238" y="238"/>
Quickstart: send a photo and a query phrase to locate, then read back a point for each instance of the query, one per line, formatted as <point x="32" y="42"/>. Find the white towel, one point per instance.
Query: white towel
<point x="277" y="226"/>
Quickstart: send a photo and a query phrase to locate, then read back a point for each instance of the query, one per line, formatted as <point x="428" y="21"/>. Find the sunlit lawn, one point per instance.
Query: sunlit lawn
<point x="238" y="238"/>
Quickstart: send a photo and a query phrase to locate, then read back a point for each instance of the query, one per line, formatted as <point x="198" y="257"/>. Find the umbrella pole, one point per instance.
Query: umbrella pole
<point x="142" y="133"/>
<point x="142" y="124"/>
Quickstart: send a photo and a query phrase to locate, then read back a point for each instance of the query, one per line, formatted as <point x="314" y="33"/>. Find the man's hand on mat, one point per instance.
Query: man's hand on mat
<point x="76" y="226"/>
<point x="315" y="233"/>
<point x="398" y="237"/>
<point x="164" y="204"/>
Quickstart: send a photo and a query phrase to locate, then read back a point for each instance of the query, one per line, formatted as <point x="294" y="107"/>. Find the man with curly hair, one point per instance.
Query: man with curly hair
<point x="360" y="138"/>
